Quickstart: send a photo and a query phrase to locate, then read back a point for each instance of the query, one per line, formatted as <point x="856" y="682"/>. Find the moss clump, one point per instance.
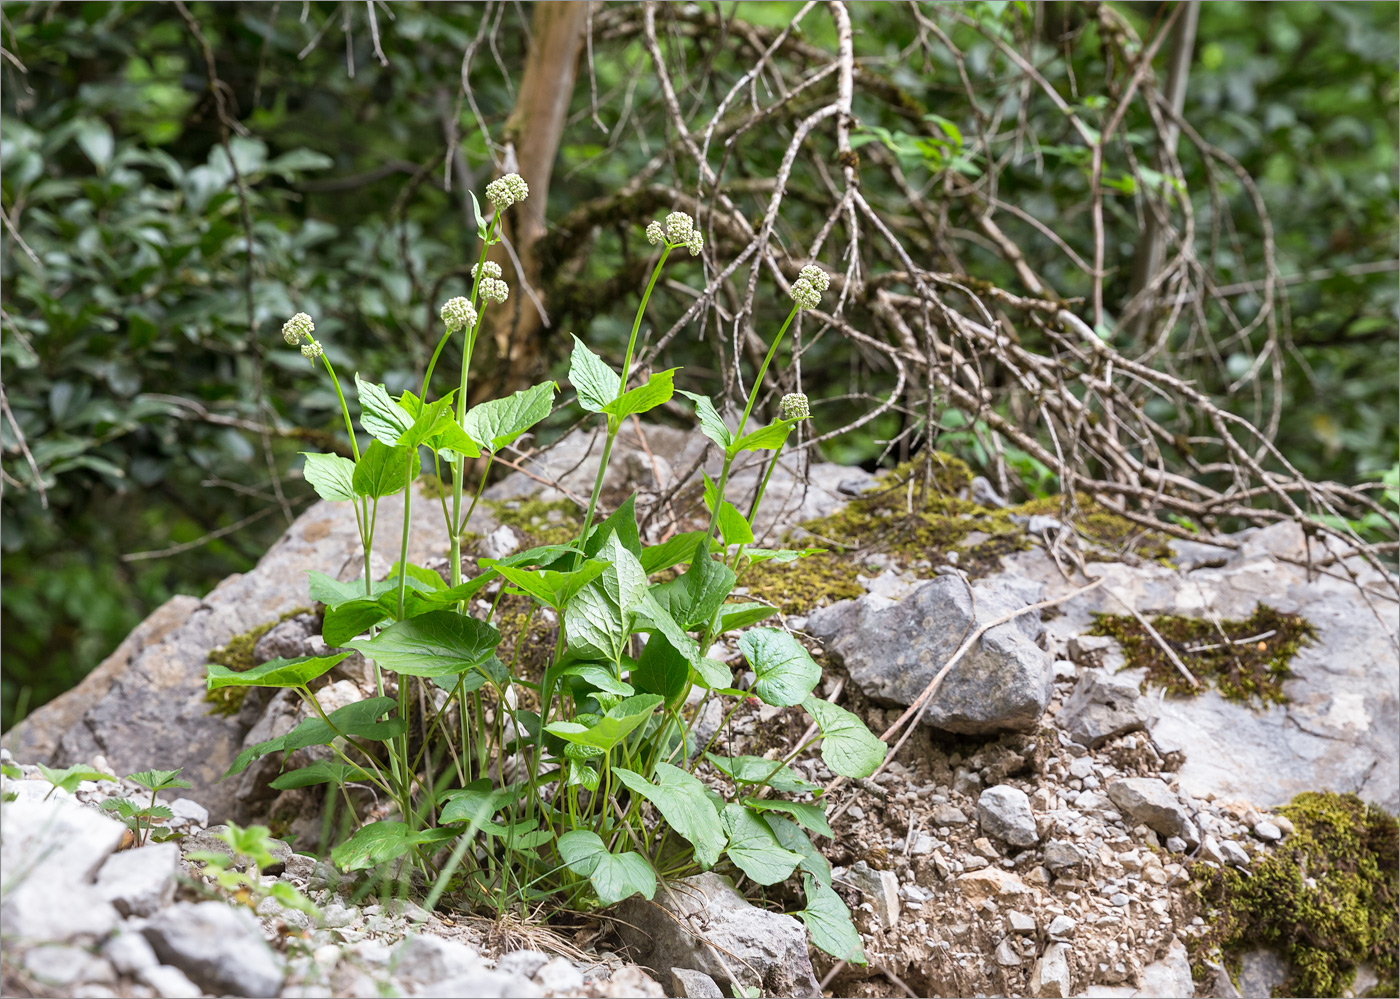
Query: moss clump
<point x="1115" y="535"/>
<point x="541" y="522"/>
<point x="801" y="587"/>
<point x="1325" y="899"/>
<point x="1241" y="672"/>
<point x="237" y="655"/>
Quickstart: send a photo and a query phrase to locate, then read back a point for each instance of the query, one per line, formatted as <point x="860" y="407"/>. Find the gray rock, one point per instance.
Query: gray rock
<point x="286" y="640"/>
<point x="1061" y="856"/>
<point x="894" y="651"/>
<point x="1006" y="955"/>
<point x="1210" y="850"/>
<point x="983" y="493"/>
<point x="1020" y="922"/>
<point x="752" y="946"/>
<point x="880" y="889"/>
<point x="1267" y="831"/>
<point x="947" y="815"/>
<point x="1096" y="652"/>
<point x="1005" y="812"/>
<point x="1061" y="928"/>
<point x="501" y="542"/>
<point x="1175" y="844"/>
<point x="140" y="882"/>
<point x="522" y="962"/>
<point x="219" y="947"/>
<point x="1170" y="975"/>
<point x="130" y="952"/>
<point x="63" y="964"/>
<point x="559" y="976"/>
<point x="481" y="983"/>
<point x="1148" y="801"/>
<point x="1102" y="708"/>
<point x="1260" y="971"/>
<point x="1234" y="853"/>
<point x="168" y="982"/>
<point x="694" y="985"/>
<point x="1051" y="977"/>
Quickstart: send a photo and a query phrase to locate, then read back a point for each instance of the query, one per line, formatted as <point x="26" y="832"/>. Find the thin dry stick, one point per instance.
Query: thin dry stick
<point x="1156" y="637"/>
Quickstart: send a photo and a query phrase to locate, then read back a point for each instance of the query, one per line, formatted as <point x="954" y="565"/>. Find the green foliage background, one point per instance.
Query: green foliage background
<point x="138" y="357"/>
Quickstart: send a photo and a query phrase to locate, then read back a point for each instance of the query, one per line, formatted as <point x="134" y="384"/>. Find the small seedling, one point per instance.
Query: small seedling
<point x="140" y="819"/>
<point x="69" y="778"/>
<point x="247" y="886"/>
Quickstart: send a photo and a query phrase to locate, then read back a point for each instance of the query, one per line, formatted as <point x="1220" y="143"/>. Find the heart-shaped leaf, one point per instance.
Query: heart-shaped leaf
<point x="437" y="643"/>
<point x="808" y="815"/>
<point x="381" y="471"/>
<point x="754" y="849"/>
<point x="614" y="876"/>
<point x="596" y="384"/>
<point x="296" y="672"/>
<point x="829" y="922"/>
<point x="332" y="476"/>
<point x="785" y="672"/>
<point x="383" y="418"/>
<point x="757" y="770"/>
<point x="681" y="799"/>
<point x="848" y="747"/>
<point x="500" y="422"/>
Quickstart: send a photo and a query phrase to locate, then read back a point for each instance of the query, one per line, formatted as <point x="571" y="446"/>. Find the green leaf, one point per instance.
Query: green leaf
<point x="612" y="728"/>
<point x="288" y="897"/>
<point x="428" y="421"/>
<point x="360" y="719"/>
<point x="769" y="438"/>
<point x="95" y="140"/>
<point x="333" y="592"/>
<point x="731" y="617"/>
<point x="381" y="471"/>
<point x="829" y="922"/>
<point x="791" y="836"/>
<point x="657" y="390"/>
<point x="848" y="747"/>
<point x="808" y="815"/>
<point x="320" y="772"/>
<point x="354" y="617"/>
<point x="500" y="422"/>
<point x="475" y="803"/>
<point x="754" y="849"/>
<point x="598" y="620"/>
<point x="601" y="677"/>
<point x="623" y="523"/>
<point x="757" y="770"/>
<point x="383" y="418"/>
<point x="679" y="549"/>
<point x="613" y="876"/>
<point x="780" y="554"/>
<point x="682" y="802"/>
<point x="596" y="384"/>
<point x="330" y="475"/>
<point x="382" y="841"/>
<point x="158" y="780"/>
<point x="712" y="425"/>
<point x="694" y="597"/>
<point x="733" y="526"/>
<point x="662" y="669"/>
<point x="450" y="441"/>
<point x="785" y="672"/>
<point x="69" y="778"/>
<point x="437" y="643"/>
<point x="296" y="672"/>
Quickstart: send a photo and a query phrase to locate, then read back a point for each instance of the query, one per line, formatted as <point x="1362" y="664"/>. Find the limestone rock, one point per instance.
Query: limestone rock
<point x="1150" y="802"/>
<point x="893" y="650"/>
<point x="881" y="890"/>
<point x="1005" y="812"/>
<point x="694" y="985"/>
<point x="1102" y="708"/>
<point x="140" y="882"/>
<point x="751" y="945"/>
<point x="1051" y="977"/>
<point x="219" y="947"/>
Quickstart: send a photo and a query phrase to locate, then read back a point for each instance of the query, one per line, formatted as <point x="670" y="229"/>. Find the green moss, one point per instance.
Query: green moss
<point x="801" y="587"/>
<point x="1114" y="535"/>
<point x="1325" y="899"/>
<point x="237" y="655"/>
<point x="1241" y="672"/>
<point x="541" y="522"/>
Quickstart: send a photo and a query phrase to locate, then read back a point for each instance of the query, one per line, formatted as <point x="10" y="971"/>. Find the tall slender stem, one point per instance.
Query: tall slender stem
<point x="637" y="321"/>
<point x="763" y="370"/>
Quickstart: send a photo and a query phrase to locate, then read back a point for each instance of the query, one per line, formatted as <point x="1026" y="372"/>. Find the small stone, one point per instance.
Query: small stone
<point x="1234" y="853"/>
<point x="947" y="815"/>
<point x="1060" y="856"/>
<point x="1061" y="928"/>
<point x="1268" y="831"/>
<point x="1006" y="955"/>
<point x="220" y="948"/>
<point x="984" y="848"/>
<point x="1081" y="767"/>
<point x="140" y="882"/>
<point x="1101" y="708"/>
<point x="1149" y="801"/>
<point x="559" y="976"/>
<point x="993" y="882"/>
<point x="522" y="962"/>
<point x="64" y="964"/>
<point x="968" y="782"/>
<point x="501" y="542"/>
<point x="1285" y="825"/>
<point x="880" y="888"/>
<point x="1020" y="922"/>
<point x="189" y="812"/>
<point x="974" y="862"/>
<point x="694" y="984"/>
<point x="1119" y="899"/>
<point x="1050" y="979"/>
<point x="856" y="812"/>
<point x="923" y="845"/>
<point x="1005" y="812"/>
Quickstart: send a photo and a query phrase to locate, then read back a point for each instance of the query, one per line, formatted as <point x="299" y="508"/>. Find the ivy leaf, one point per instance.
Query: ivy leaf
<point x="296" y="672"/>
<point x="769" y="438"/>
<point x="657" y="390"/>
<point x="681" y="799"/>
<point x="829" y="922"/>
<point x="383" y="418"/>
<point x="808" y="815"/>
<point x="597" y="384"/>
<point x="437" y="643"/>
<point x="791" y="836"/>
<point x="754" y="849"/>
<point x="381" y="470"/>
<point x="848" y="747"/>
<point x="712" y="425"/>
<point x="330" y="475"/>
<point x="614" y="876"/>
<point x="500" y="422"/>
<point x="756" y="770"/>
<point x="785" y="672"/>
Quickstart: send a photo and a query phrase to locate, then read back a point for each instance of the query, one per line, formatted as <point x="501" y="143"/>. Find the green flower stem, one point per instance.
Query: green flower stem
<point x="407" y="508"/>
<point x="592" y="504"/>
<point x="637" y="321"/>
<point x="355" y="450"/>
<point x="763" y="370"/>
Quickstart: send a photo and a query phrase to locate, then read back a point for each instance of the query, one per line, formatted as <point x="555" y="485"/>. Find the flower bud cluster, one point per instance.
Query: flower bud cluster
<point x="487" y="268"/>
<point x="297" y="328"/>
<point x="816" y="277"/>
<point x="458" y="313"/>
<point x="805" y="294"/>
<point x="794" y="406"/>
<point x="493" y="289"/>
<point x="311" y="350"/>
<point x="678" y="231"/>
<point x="506" y="191"/>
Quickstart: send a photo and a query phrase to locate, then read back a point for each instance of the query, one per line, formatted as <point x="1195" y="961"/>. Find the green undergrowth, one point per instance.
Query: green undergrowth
<point x="1325" y="898"/>
<point x="1246" y="672"/>
<point x="237" y="654"/>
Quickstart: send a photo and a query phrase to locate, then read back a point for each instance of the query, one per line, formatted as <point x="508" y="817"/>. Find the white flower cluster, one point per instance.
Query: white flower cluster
<point x="793" y="406"/>
<point x="458" y="313"/>
<point x="493" y="289"/>
<point x="816" y="277"/>
<point x="679" y="231"/>
<point x="805" y="294"/>
<point x="311" y="350"/>
<point x="487" y="268"/>
<point x="506" y="191"/>
<point x="298" y="327"/>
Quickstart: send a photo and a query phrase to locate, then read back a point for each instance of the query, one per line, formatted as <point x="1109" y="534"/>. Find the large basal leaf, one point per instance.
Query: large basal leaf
<point x="620" y="721"/>
<point x="657" y="390"/>
<point x="595" y="382"/>
<point x="757" y="770"/>
<point x="296" y="672"/>
<point x="382" y="470"/>
<point x="806" y="814"/>
<point x="848" y="747"/>
<point x="754" y="849"/>
<point x="681" y="800"/>
<point x="711" y="424"/>
<point x="784" y="671"/>
<point x="437" y="643"/>
<point x="499" y="422"/>
<point x="383" y="418"/>
<point x="614" y="876"/>
<point x="769" y="438"/>
<point x="791" y="837"/>
<point x="332" y="592"/>
<point x="599" y="618"/>
<point x="829" y="922"/>
<point x="332" y="476"/>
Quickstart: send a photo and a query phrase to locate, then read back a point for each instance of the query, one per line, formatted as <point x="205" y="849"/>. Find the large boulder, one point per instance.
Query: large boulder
<point x="894" y="649"/>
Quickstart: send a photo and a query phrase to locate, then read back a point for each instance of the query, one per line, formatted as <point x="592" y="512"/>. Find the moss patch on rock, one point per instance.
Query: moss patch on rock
<point x="1325" y="898"/>
<point x="1245" y="671"/>
<point x="237" y="655"/>
<point x="1114" y="536"/>
<point x="542" y="522"/>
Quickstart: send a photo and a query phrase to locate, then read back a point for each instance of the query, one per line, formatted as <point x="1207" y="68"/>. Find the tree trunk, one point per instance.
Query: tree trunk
<point x="532" y="135"/>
